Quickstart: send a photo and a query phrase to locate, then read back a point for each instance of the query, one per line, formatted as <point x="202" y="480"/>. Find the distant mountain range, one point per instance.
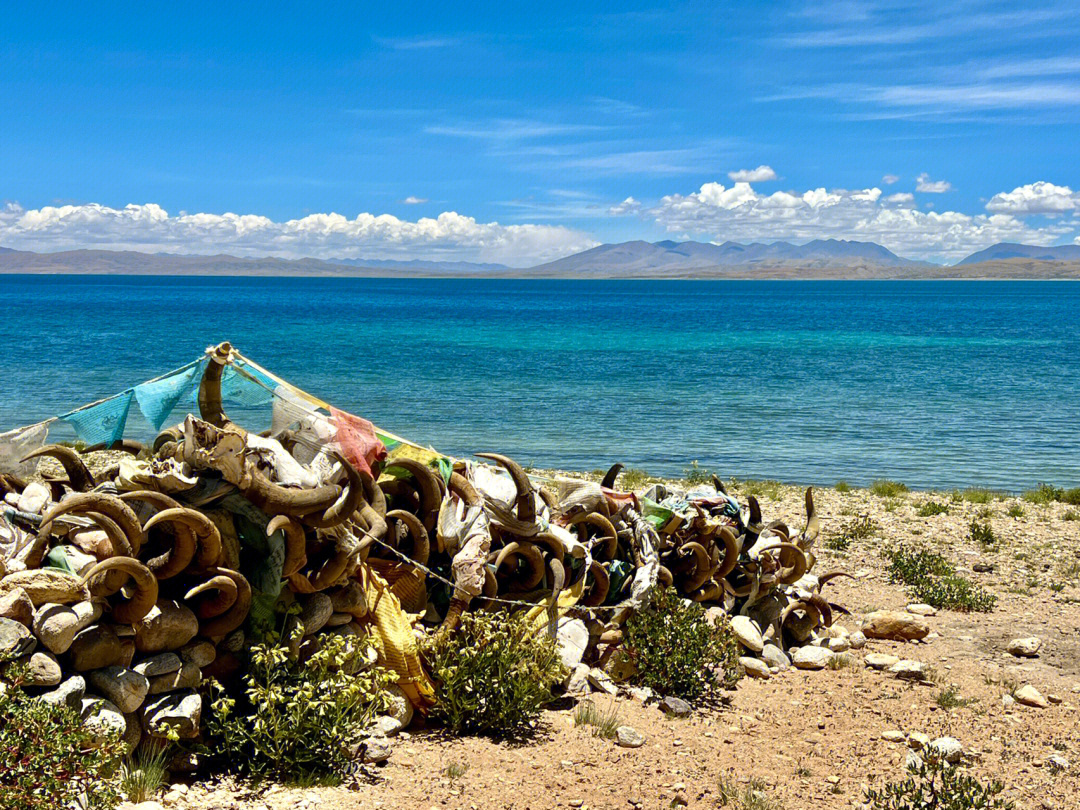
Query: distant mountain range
<point x="1010" y="250"/>
<point x="819" y="259"/>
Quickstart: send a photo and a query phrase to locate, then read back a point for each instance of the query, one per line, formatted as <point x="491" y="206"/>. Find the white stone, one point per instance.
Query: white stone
<point x="839" y="645"/>
<point x="921" y="609"/>
<point x="578" y="682"/>
<point x="894" y="736"/>
<point x="602" y="681"/>
<point x="857" y="640"/>
<point x="755" y="668"/>
<point x="775" y="657"/>
<point x="879" y="660"/>
<point x="573" y="639"/>
<point x="918" y="740"/>
<point x="908" y="670"/>
<point x="812" y="658"/>
<point x="1025" y="647"/>
<point x="747" y="633"/>
<point x="946" y="748"/>
<point x="628" y="737"/>
<point x="1028" y="695"/>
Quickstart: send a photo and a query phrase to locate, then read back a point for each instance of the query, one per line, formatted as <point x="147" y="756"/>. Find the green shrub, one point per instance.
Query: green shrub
<point x="1071" y="496"/>
<point x="632" y="479"/>
<point x="930" y="578"/>
<point x="1015" y="511"/>
<point x="48" y="758"/>
<point x="975" y="495"/>
<point x="842" y="487"/>
<point x="938" y="786"/>
<point x="859" y="528"/>
<point x="677" y="651"/>
<point x="298" y="720"/>
<point x="1071" y="514"/>
<point x="694" y="475"/>
<point x="981" y="533"/>
<point x="493" y="675"/>
<point x="931" y="508"/>
<point x="766" y="488"/>
<point x="1042" y="494"/>
<point x="888" y="489"/>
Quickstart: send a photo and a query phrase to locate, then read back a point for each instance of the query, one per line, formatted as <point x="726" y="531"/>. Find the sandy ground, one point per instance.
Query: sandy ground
<point x="801" y="739"/>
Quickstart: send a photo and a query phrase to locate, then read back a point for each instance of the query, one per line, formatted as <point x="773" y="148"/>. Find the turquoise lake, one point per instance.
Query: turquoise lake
<point x="937" y="384"/>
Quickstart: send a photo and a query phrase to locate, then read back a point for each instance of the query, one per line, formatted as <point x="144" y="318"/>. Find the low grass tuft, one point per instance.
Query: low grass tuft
<point x="842" y="487"/>
<point x="931" y="508"/>
<point x="982" y="534"/>
<point x="604" y="723"/>
<point x="885" y="488"/>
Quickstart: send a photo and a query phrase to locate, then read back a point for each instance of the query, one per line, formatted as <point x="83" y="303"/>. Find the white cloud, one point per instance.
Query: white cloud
<point x="411" y="200"/>
<point x="1035" y="198"/>
<point x="627" y="206"/>
<point x="150" y="228"/>
<point x="739" y="213"/>
<point x="928" y="186"/>
<point x="889" y="179"/>
<point x="759" y="175"/>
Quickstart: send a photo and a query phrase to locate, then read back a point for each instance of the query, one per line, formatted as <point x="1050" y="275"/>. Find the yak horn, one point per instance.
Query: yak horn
<point x="210" y="388"/>
<point x="124" y="445"/>
<point x="753" y="523"/>
<point x="295" y="543"/>
<point x="237" y="613"/>
<point x="526" y="501"/>
<point x="77" y="472"/>
<point x="421" y="545"/>
<point x="145" y="597"/>
<point x="226" y="594"/>
<point x="179" y="557"/>
<point x="596" y="591"/>
<point x="459" y="485"/>
<point x="793" y="572"/>
<point x="665" y="577"/>
<point x="611" y="476"/>
<point x="331" y="570"/>
<point x="826" y="578"/>
<point x="718" y="485"/>
<point x="731" y="552"/>
<point x="275" y="499"/>
<point x="427" y="485"/>
<point x="350" y="500"/>
<point x="813" y="522"/>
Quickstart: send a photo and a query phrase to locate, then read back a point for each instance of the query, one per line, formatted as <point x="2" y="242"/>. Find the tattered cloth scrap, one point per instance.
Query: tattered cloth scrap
<point x="18" y="443"/>
<point x="357" y="440"/>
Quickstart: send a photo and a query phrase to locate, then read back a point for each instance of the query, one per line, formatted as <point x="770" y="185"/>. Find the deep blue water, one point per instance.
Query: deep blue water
<point x="938" y="384"/>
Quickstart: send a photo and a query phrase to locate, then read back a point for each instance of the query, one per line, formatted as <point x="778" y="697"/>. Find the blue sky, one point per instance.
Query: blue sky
<point x="515" y="134"/>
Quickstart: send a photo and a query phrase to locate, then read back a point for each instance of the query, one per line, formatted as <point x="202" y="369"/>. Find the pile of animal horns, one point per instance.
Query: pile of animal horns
<point x="136" y="583"/>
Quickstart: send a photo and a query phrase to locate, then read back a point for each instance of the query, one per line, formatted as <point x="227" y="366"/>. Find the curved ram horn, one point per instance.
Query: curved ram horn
<point x="179" y="557"/>
<point x="350" y="500"/>
<point x="427" y="485"/>
<point x="552" y="543"/>
<point x="794" y="566"/>
<point x="77" y="472"/>
<point x="526" y="500"/>
<point x="611" y="476"/>
<point x="170" y="436"/>
<point x="665" y="577"/>
<point x="331" y="570"/>
<point x="459" y="485"/>
<point x="607" y="540"/>
<point x="145" y="585"/>
<point x="210" y="387"/>
<point x="226" y="592"/>
<point x="549" y="497"/>
<point x="108" y="505"/>
<point x="295" y="543"/>
<point x="120" y="542"/>
<point x="528" y="554"/>
<point x="421" y="545"/>
<point x="237" y="614"/>
<point x="702" y="568"/>
<point x="205" y="530"/>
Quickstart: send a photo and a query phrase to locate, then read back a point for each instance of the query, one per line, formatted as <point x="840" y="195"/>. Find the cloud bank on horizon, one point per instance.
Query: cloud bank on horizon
<point x="522" y="133"/>
<point x="1038" y="213"/>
